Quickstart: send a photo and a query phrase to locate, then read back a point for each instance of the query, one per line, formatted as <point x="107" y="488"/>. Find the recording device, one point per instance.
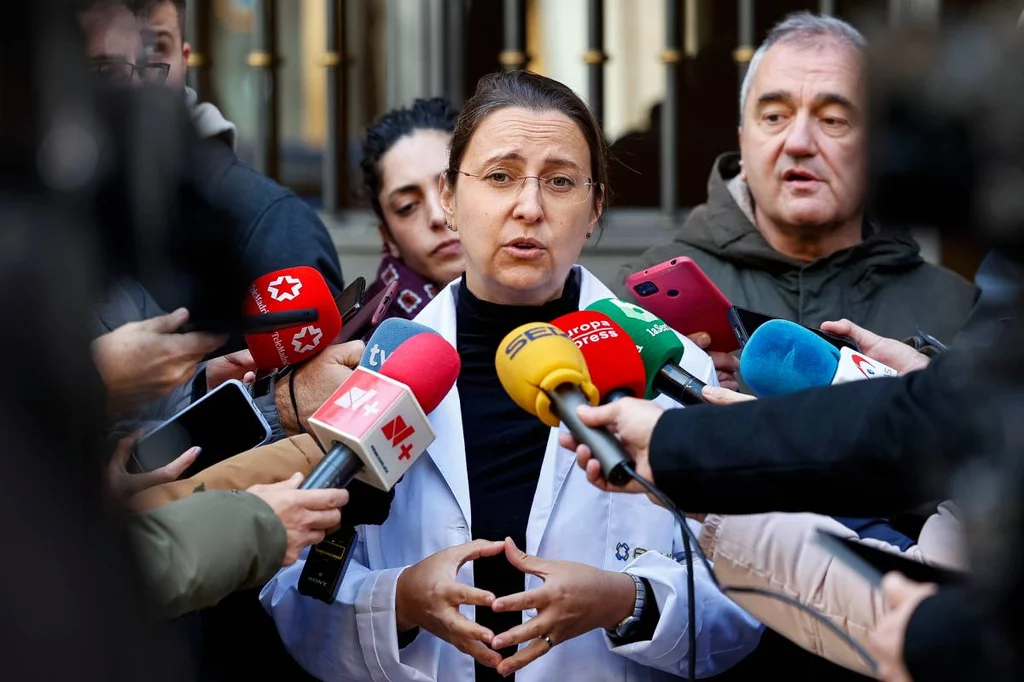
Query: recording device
<point x="782" y="357"/>
<point x="745" y="322"/>
<point x="660" y="349"/>
<point x="544" y="373"/>
<point x="224" y="423"/>
<point x="612" y="359"/>
<point x="872" y="563"/>
<point x="369" y="315"/>
<point x="375" y="423"/>
<point x="285" y="291"/>
<point x="681" y="294"/>
<point x="350" y="301"/>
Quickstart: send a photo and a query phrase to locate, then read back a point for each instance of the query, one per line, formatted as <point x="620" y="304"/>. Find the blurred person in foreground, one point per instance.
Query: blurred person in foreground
<point x="404" y="154"/>
<point x="151" y="370"/>
<point x="165" y="42"/>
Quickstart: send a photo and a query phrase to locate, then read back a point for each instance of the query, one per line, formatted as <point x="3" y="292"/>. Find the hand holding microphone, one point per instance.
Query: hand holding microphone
<point x="896" y="354"/>
<point x="375" y="423"/>
<point x="782" y="357"/>
<point x="305" y="514"/>
<point x="544" y="373"/>
<point x="633" y="421"/>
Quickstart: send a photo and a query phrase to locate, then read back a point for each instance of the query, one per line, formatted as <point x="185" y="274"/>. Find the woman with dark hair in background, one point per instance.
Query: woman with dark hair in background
<point x="404" y="154"/>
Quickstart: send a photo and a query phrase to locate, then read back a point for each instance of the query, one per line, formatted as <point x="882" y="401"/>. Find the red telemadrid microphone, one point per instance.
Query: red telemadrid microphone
<point x="612" y="358"/>
<point x="375" y="424"/>
<point x="300" y="287"/>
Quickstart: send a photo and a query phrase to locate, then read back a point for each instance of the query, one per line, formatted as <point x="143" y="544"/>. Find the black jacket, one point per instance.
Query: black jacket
<point x="863" y="448"/>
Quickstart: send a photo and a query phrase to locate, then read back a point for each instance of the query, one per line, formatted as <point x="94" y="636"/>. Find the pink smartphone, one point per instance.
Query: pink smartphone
<point x="681" y="294"/>
<point x="369" y="315"/>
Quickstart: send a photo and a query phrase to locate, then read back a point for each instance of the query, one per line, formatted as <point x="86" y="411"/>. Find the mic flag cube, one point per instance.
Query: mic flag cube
<point x="379" y="416"/>
<point x="285" y="290"/>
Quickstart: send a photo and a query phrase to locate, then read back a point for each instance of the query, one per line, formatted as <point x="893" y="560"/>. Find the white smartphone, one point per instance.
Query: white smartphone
<point x="224" y="423"/>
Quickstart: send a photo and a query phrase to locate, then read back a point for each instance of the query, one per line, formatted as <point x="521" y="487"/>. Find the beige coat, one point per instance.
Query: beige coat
<point x="777" y="552"/>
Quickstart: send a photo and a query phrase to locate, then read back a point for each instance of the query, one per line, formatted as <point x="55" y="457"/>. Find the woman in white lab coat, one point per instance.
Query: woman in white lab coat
<point x="498" y="556"/>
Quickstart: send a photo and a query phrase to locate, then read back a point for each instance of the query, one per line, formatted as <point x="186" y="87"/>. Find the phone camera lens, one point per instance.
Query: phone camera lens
<point x="646" y="288"/>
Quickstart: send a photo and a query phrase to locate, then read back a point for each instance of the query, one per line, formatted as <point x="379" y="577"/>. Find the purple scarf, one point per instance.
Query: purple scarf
<point x="414" y="290"/>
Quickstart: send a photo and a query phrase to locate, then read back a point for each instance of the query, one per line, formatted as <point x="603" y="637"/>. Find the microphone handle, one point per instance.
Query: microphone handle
<point x="603" y="445"/>
<point x="612" y="396"/>
<point x="336" y="470"/>
<point x="680" y="385"/>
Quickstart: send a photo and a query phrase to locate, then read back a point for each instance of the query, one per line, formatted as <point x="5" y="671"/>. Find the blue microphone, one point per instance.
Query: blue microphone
<point x="782" y="357"/>
<point x="389" y="335"/>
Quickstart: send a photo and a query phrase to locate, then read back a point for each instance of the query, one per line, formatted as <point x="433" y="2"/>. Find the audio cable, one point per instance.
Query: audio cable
<point x="689" y="537"/>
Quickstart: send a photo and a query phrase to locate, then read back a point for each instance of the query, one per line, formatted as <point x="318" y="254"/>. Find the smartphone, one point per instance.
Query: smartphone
<point x="681" y="294"/>
<point x="350" y="301"/>
<point x="744" y="322"/>
<point x="872" y="563"/>
<point x="370" y="314"/>
<point x="224" y="423"/>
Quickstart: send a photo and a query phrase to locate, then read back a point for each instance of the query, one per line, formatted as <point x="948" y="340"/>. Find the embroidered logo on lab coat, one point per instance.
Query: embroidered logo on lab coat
<point x="622" y="551"/>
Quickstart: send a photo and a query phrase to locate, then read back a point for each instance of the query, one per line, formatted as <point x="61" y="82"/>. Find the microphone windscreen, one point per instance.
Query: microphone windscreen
<point x="536" y="358"/>
<point x="657" y="343"/>
<point x="611" y="356"/>
<point x="781" y="357"/>
<point x="428" y="365"/>
<point x="389" y="335"/>
<point x="285" y="290"/>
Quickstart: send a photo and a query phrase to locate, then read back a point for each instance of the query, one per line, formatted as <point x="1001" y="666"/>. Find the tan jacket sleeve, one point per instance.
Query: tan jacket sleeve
<point x="778" y="552"/>
<point x="196" y="551"/>
<point x="266" y="464"/>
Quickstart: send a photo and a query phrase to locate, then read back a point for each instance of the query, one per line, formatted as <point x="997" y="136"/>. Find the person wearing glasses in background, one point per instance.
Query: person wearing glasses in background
<point x="163" y="37"/>
<point x="498" y="557"/>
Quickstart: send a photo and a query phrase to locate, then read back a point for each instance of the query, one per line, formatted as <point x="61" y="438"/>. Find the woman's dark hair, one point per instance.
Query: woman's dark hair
<point x="435" y="113"/>
<point x="527" y="90"/>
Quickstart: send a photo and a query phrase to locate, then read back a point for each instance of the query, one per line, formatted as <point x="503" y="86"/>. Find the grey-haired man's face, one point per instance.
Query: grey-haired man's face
<point x="802" y="138"/>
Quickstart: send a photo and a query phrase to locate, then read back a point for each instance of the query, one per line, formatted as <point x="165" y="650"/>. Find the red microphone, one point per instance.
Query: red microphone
<point x="290" y="289"/>
<point x="613" y="361"/>
<point x="375" y="424"/>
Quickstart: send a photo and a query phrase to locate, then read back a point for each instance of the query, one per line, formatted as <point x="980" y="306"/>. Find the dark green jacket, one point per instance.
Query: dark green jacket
<point x="199" y="549"/>
<point x="882" y="284"/>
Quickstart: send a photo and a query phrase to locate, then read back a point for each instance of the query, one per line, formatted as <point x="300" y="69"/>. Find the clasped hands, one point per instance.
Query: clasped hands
<point x="574" y="599"/>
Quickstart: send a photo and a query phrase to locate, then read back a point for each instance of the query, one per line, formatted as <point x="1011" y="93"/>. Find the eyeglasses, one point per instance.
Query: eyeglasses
<point x="563" y="187"/>
<point x="121" y="72"/>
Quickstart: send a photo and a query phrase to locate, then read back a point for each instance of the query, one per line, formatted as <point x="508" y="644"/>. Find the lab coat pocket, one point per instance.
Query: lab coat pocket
<point x="636" y="526"/>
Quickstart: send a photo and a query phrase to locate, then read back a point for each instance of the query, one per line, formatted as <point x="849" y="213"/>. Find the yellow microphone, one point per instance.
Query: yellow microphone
<point x="544" y="372"/>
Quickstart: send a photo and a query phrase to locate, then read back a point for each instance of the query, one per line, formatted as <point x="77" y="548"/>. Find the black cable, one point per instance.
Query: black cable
<point x="688" y="536"/>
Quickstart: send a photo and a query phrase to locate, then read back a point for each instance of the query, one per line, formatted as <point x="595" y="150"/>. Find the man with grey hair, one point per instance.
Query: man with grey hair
<point x="784" y="230"/>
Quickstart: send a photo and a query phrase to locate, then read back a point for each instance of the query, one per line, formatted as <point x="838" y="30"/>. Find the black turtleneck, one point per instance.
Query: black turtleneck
<point x="504" y="443"/>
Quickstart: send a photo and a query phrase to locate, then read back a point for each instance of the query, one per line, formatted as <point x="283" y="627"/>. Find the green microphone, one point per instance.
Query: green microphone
<point x="660" y="349"/>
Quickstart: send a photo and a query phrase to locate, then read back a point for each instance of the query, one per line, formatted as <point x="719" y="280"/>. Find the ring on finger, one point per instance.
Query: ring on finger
<point x="548" y="640"/>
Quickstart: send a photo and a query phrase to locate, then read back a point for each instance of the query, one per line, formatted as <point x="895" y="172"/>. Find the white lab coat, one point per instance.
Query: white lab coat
<point x="355" y="638"/>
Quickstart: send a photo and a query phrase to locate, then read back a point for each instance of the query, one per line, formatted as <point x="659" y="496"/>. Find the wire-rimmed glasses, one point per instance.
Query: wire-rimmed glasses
<point x="562" y="186"/>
